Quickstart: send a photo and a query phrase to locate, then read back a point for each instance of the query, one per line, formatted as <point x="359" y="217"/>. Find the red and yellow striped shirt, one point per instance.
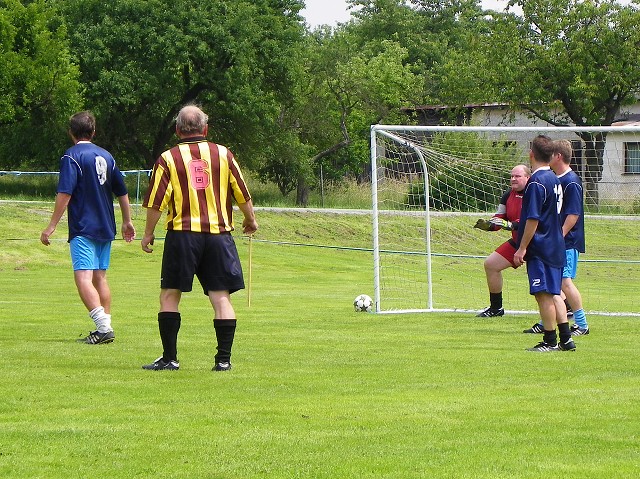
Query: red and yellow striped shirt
<point x="196" y="181"/>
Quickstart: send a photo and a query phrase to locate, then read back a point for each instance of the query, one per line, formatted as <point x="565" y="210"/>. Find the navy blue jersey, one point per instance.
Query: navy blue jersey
<point x="542" y="201"/>
<point x="572" y="204"/>
<point x="89" y="174"/>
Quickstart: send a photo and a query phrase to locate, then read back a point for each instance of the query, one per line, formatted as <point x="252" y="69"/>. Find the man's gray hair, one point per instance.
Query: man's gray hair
<point x="191" y="120"/>
<point x="525" y="168"/>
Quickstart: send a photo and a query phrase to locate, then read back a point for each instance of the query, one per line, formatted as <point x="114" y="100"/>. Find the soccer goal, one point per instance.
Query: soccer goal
<point x="431" y="184"/>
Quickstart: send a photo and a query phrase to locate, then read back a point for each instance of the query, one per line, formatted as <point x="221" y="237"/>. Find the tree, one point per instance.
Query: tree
<point x="141" y="60"/>
<point x="347" y="85"/>
<point x="429" y="30"/>
<point x="39" y="86"/>
<point x="563" y="61"/>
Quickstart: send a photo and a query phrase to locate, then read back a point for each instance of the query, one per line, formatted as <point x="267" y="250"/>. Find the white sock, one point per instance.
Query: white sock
<point x="101" y="319"/>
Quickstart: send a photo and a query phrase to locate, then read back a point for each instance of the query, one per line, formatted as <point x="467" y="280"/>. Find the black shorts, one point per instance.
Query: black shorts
<point x="213" y="258"/>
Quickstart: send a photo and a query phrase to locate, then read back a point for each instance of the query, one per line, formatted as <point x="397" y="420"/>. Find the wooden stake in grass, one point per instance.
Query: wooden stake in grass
<point x="250" y="267"/>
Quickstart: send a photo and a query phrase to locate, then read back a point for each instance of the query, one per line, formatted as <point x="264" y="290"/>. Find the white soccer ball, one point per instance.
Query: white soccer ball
<point x="363" y="303"/>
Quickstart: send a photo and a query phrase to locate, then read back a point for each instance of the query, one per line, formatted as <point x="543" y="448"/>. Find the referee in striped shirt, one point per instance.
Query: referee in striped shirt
<point x="195" y="182"/>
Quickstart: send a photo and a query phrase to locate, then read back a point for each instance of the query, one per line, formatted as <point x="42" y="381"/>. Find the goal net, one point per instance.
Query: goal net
<point x="431" y="184"/>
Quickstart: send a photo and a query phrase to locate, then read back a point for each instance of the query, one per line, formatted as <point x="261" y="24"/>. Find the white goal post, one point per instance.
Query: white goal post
<point x="430" y="184"/>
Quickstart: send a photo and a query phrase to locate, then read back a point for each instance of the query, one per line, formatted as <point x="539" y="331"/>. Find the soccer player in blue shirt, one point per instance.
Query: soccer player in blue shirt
<point x="572" y="219"/>
<point x="541" y="246"/>
<point x="89" y="179"/>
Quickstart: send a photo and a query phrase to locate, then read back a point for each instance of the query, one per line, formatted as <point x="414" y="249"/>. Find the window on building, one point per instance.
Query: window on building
<point x="632" y="158"/>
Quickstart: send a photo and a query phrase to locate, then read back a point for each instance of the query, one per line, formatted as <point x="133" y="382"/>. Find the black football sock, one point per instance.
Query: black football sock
<point x="169" y="325"/>
<point x="496" y="300"/>
<point x="550" y="337"/>
<point x="565" y="332"/>
<point x="225" y="331"/>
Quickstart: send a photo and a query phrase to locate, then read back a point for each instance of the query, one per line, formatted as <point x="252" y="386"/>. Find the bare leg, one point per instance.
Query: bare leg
<point x="221" y="302"/>
<point x="87" y="289"/>
<point x="170" y="300"/>
<point x="560" y="310"/>
<point x="101" y="285"/>
<point x="93" y="289"/>
<point x="547" y="306"/>
<point x="493" y="267"/>
<point x="572" y="294"/>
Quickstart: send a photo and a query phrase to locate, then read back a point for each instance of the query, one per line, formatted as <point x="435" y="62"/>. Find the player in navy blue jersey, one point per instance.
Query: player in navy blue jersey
<point x="572" y="217"/>
<point x="89" y="179"/>
<point x="572" y="220"/>
<point x="541" y="246"/>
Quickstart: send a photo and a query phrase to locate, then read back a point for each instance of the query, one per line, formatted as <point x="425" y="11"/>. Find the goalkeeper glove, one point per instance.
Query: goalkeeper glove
<point x="502" y="223"/>
<point x="484" y="225"/>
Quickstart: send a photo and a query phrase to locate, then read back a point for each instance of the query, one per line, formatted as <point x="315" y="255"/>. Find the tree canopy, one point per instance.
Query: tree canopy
<point x="564" y="61"/>
<point x="348" y="86"/>
<point x="141" y="60"/>
<point x="288" y="100"/>
<point x="39" y="84"/>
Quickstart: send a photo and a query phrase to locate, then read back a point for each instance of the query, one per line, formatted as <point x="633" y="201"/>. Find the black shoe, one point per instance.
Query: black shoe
<point x="96" y="337"/>
<point x="543" y="347"/>
<point x="535" y="329"/>
<point x="222" y="367"/>
<point x="490" y="313"/>
<point x="578" y="331"/>
<point x="568" y="346"/>
<point x="161" y="365"/>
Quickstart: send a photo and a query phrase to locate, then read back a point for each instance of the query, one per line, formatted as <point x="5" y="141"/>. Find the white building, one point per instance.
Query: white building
<point x="620" y="182"/>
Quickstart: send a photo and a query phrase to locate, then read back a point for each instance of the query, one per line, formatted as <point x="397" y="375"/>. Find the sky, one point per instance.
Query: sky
<point x="331" y="12"/>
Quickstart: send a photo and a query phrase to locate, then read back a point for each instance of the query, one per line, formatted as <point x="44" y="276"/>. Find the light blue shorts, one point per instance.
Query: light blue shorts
<point x="571" y="268"/>
<point x="543" y="278"/>
<point x="89" y="254"/>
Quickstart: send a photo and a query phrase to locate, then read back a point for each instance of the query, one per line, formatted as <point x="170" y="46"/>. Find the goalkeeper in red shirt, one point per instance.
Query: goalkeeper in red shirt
<point x="506" y="217"/>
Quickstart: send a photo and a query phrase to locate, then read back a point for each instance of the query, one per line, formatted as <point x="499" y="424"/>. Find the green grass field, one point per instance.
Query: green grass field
<point x="317" y="390"/>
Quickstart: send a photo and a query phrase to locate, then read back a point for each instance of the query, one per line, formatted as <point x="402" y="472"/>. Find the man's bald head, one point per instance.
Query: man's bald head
<point x="191" y="121"/>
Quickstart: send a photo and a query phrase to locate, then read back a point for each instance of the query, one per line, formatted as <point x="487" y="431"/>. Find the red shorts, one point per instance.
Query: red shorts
<point x="507" y="250"/>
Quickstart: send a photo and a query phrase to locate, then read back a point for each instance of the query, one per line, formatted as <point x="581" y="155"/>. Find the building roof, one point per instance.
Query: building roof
<point x="632" y="119"/>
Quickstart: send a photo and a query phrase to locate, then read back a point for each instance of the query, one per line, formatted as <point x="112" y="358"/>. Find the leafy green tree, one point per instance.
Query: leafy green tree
<point x="362" y="73"/>
<point x="141" y="60"/>
<point x="429" y="30"/>
<point x="348" y="85"/>
<point x="563" y="61"/>
<point x="39" y="86"/>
